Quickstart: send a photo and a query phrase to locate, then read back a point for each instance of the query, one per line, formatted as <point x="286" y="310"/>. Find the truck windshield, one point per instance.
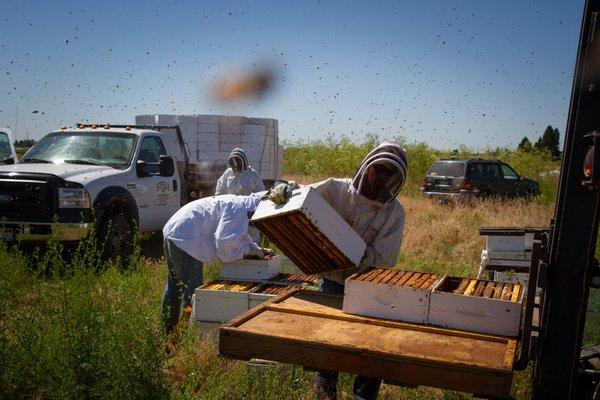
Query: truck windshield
<point x="103" y="148"/>
<point x="5" y="151"/>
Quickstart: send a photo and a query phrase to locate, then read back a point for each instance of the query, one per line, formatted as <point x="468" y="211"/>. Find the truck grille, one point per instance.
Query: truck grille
<point x="20" y="198"/>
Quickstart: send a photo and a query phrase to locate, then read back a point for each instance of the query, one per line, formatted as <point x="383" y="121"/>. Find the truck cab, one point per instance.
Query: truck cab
<point x="118" y="178"/>
<point x="8" y="154"/>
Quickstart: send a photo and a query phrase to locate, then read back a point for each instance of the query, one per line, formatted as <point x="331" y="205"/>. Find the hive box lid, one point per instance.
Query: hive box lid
<point x="310" y="232"/>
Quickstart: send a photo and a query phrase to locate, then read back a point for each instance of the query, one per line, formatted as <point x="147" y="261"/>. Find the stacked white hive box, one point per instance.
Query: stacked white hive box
<point x="210" y="139"/>
<point x="507" y="254"/>
<point x="424" y="298"/>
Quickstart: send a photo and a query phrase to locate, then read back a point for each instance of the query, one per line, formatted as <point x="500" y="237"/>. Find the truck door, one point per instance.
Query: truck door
<point x="159" y="196"/>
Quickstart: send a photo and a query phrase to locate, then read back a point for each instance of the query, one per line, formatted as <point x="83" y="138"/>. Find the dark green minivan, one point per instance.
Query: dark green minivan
<point x="464" y="179"/>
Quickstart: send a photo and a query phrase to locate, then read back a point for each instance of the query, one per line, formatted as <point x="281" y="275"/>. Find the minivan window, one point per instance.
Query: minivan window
<point x="446" y="168"/>
<point x="508" y="172"/>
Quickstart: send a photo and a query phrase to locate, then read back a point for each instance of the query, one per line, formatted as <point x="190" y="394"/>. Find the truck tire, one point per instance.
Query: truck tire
<point x="115" y="237"/>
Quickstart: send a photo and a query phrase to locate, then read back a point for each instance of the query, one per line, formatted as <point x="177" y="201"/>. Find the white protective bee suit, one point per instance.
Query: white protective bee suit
<point x="379" y="222"/>
<point x="203" y="231"/>
<point x="214" y="228"/>
<point x="240" y="178"/>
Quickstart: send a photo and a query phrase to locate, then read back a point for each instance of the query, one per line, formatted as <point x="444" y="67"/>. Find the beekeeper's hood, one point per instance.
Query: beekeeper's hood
<point x="237" y="160"/>
<point x="382" y="173"/>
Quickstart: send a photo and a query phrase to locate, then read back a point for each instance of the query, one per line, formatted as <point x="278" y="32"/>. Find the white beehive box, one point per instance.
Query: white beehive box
<point x="221" y="301"/>
<point x="390" y="294"/>
<point x="250" y="270"/>
<point x="476" y="305"/>
<point x="310" y="232"/>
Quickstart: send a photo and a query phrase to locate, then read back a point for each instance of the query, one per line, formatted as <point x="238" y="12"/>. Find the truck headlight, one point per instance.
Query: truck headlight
<point x="73" y="198"/>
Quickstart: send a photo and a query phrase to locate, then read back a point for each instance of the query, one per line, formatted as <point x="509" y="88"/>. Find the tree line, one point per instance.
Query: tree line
<point x="549" y="141"/>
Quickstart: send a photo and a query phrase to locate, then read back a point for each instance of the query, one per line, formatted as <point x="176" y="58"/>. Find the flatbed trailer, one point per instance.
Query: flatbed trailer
<point x="309" y="329"/>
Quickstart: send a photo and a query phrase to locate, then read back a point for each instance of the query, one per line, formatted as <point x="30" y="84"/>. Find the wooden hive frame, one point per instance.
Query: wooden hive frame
<point x="310" y="232"/>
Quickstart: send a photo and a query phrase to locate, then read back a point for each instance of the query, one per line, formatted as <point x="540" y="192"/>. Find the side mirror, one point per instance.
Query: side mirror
<point x="166" y="166"/>
<point x="8" y="160"/>
<point x="140" y="169"/>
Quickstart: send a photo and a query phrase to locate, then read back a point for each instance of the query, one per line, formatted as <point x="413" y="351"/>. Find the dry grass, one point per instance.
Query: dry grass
<point x="445" y="238"/>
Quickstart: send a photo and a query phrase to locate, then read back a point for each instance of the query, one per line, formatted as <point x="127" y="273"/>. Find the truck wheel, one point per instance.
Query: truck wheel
<point x="115" y="235"/>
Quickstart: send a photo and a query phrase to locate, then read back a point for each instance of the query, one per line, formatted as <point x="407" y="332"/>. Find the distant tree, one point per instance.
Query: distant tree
<point x="24" y="143"/>
<point x="549" y="141"/>
<point x="525" y="145"/>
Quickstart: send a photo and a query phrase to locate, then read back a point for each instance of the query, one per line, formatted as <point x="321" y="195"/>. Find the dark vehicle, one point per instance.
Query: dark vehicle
<point x="464" y="179"/>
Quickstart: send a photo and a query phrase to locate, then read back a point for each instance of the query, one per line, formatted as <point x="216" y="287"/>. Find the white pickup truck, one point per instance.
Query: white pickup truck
<point x="119" y="177"/>
<point x="7" y="148"/>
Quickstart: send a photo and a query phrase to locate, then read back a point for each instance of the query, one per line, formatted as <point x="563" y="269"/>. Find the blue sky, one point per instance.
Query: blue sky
<point x="480" y="73"/>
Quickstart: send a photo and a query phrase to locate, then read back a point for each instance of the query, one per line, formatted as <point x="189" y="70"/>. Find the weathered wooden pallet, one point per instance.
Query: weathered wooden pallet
<point x="390" y="293"/>
<point x="310" y="232"/>
<point x="310" y="329"/>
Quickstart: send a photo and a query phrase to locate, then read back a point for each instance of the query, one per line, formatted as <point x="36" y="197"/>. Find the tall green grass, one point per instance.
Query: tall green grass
<point x="69" y="332"/>
<point x="341" y="158"/>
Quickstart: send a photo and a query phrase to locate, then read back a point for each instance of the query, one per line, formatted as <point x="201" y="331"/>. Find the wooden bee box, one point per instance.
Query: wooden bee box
<point x="310" y="232"/>
<point x="250" y="269"/>
<point x="295" y="279"/>
<point x="477" y="305"/>
<point x="265" y="292"/>
<point x="221" y="301"/>
<point x="390" y="294"/>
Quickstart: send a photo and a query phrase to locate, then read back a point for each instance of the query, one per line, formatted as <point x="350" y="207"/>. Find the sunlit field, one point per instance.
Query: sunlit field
<point x="69" y="329"/>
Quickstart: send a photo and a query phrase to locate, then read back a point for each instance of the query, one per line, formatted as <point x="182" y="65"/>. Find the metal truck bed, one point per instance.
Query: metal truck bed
<point x="309" y="329"/>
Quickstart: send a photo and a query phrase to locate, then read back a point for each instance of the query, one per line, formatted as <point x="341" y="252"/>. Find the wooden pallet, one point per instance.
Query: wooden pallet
<point x="310" y="329"/>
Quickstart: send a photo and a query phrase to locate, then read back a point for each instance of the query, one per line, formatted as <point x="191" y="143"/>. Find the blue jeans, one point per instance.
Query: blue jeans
<point x="326" y="381"/>
<point x="184" y="274"/>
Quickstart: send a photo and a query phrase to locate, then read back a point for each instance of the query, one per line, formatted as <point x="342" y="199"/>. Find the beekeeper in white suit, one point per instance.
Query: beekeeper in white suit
<point x="239" y="178"/>
<point x="206" y="230"/>
<point x="368" y="203"/>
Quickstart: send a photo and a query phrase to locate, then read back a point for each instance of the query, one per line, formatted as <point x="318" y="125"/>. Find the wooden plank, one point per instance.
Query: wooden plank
<point x="413" y="279"/>
<point x="489" y="289"/>
<point x="470" y="288"/>
<point x="515" y="294"/>
<point x="397" y="278"/>
<point x="382" y="275"/>
<point x="479" y="288"/>
<point x="243" y="346"/>
<point x="390" y="276"/>
<point x="462" y="287"/>
<point x="498" y="290"/>
<point x="506" y="291"/>
<point x="405" y="278"/>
